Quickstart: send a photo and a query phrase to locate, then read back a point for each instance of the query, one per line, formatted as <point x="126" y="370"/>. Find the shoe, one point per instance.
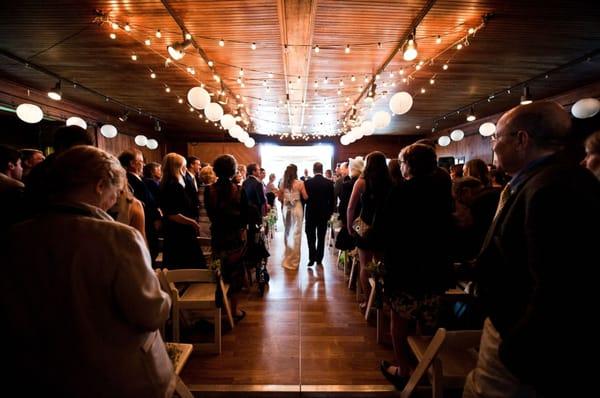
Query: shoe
<point x="398" y="381"/>
<point x="310" y="264"/>
<point x="238" y="318"/>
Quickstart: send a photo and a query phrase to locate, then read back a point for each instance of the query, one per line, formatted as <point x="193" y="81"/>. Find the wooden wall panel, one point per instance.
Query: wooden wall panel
<point x="471" y="147"/>
<point x="122" y="142"/>
<point x="207" y="152"/>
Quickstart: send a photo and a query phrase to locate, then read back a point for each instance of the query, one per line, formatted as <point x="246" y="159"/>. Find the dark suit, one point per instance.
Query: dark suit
<point x="535" y="273"/>
<point x="151" y="213"/>
<point x="319" y="208"/>
<point x="255" y="195"/>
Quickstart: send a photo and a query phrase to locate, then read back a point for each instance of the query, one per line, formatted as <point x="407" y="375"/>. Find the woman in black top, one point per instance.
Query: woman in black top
<point x="181" y="247"/>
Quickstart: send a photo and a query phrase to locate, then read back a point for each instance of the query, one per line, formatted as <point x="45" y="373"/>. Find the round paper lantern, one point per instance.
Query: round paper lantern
<point x="76" y="121"/>
<point x="487" y="129"/>
<point x="152" y="144"/>
<point x="108" y="130"/>
<point x="227" y="121"/>
<point x="367" y="127"/>
<point x="381" y="119"/>
<point x="444" y="140"/>
<point x="141" y="140"/>
<point x="30" y="113"/>
<point x="243" y="136"/>
<point x="236" y="131"/>
<point x="213" y="112"/>
<point x="585" y="108"/>
<point x="457" y="135"/>
<point x="345" y="140"/>
<point x="357" y="133"/>
<point x="401" y="103"/>
<point x="249" y="143"/>
<point x="198" y="97"/>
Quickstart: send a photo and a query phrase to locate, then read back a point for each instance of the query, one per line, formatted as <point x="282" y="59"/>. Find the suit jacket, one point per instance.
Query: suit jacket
<point x="321" y="201"/>
<point x="141" y="192"/>
<point x="81" y="311"/>
<point x="535" y="270"/>
<point x="255" y="195"/>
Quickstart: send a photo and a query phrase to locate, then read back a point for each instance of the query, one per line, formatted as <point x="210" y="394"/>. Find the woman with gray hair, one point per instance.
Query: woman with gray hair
<point x="82" y="310"/>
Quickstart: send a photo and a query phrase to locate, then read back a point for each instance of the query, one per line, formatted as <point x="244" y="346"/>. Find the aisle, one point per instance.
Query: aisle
<point x="307" y="330"/>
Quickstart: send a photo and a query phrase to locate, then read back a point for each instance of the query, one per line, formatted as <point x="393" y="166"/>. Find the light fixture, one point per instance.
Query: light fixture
<point x="30" y="113"/>
<point x="526" y="97"/>
<point x="222" y="43"/>
<point x="127" y="27"/>
<point x="347" y="50"/>
<point x="177" y="50"/>
<point x="444" y="140"/>
<point x="457" y="135"/>
<point x="124" y="116"/>
<point x="188" y="36"/>
<point x="157" y="126"/>
<point x="56" y="92"/>
<point x="253" y="46"/>
<point x="438" y="39"/>
<point x="76" y="121"/>
<point x="134" y="57"/>
<point x="151" y="143"/>
<point x="158" y="34"/>
<point x="410" y="48"/>
<point x="108" y="131"/>
<point x="113" y="35"/>
<point x="445" y="67"/>
<point x="317" y="49"/>
<point x="141" y="140"/>
<point x="471" y="116"/>
<point x="147" y="42"/>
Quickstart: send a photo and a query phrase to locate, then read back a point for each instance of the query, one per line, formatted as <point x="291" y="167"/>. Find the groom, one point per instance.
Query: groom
<point x="319" y="208"/>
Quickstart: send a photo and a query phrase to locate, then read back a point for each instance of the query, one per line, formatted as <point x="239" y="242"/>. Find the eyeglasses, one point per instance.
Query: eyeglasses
<point x="495" y="137"/>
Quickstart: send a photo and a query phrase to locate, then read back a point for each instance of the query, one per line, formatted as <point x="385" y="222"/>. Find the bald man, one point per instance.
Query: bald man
<point x="534" y="271"/>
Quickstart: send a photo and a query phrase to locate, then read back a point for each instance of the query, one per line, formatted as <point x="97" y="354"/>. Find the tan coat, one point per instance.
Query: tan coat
<point x="82" y="307"/>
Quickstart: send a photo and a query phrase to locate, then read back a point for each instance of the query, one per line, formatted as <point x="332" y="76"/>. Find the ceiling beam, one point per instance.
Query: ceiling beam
<point x="297" y="22"/>
<point x="415" y="22"/>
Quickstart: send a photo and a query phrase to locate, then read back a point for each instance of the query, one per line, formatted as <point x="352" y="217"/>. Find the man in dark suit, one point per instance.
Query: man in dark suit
<point x="319" y="208"/>
<point x="534" y="272"/>
<point x="255" y="195"/>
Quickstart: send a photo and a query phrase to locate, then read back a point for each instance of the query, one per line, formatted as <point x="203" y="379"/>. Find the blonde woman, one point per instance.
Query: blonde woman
<point x="181" y="227"/>
<point x="290" y="193"/>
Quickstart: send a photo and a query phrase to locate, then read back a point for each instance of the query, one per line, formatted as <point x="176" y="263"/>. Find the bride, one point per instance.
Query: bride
<point x="293" y="214"/>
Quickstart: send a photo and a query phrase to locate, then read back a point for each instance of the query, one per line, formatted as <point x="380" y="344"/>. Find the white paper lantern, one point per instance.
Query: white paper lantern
<point x="444" y="140"/>
<point x="236" y="131"/>
<point x="381" y="119"/>
<point x="249" y="143"/>
<point x="152" y="144"/>
<point x="487" y="129"/>
<point x="213" y="112"/>
<point x="30" y="113"/>
<point x="227" y="121"/>
<point x="243" y="136"/>
<point x="356" y="133"/>
<point x="457" y="135"/>
<point x="345" y="140"/>
<point x="76" y="121"/>
<point x="108" y="130"/>
<point x="141" y="140"/>
<point x="198" y="97"/>
<point x="401" y="103"/>
<point x="585" y="108"/>
<point x="367" y="127"/>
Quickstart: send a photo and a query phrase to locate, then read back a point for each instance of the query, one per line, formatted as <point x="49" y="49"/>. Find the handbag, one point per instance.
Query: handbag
<point x="360" y="227"/>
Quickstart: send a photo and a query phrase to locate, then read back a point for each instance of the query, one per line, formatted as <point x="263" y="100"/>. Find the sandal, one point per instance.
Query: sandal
<point x="398" y="381"/>
<point x="238" y="318"/>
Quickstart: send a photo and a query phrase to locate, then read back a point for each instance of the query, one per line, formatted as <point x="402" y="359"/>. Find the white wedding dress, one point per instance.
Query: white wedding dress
<point x="293" y="214"/>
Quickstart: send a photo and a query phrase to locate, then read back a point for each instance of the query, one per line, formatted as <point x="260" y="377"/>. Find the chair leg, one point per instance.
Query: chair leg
<point x="226" y="303"/>
<point x="353" y="273"/>
<point x="371" y="298"/>
<point x="437" y="389"/>
<point x="218" y="330"/>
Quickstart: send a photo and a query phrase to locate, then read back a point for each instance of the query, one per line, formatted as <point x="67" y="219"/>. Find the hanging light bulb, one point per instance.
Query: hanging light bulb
<point x="471" y="116"/>
<point x="526" y="97"/>
<point x="459" y="46"/>
<point x="317" y="49"/>
<point x="445" y="67"/>
<point x="153" y="75"/>
<point x="241" y="72"/>
<point x="127" y="27"/>
<point x="113" y="35"/>
<point x="147" y="42"/>
<point x="56" y="92"/>
<point x="134" y="57"/>
<point x="347" y="50"/>
<point x="115" y="25"/>
<point x="222" y="43"/>
<point x="353" y="78"/>
<point x="167" y="89"/>
<point x="158" y="34"/>
<point x="188" y="36"/>
<point x="410" y="48"/>
<point x="438" y="39"/>
<point x="253" y="46"/>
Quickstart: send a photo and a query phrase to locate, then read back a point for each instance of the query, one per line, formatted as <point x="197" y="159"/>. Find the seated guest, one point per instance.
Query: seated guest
<point x="11" y="188"/>
<point x="181" y="248"/>
<point x="81" y="311"/>
<point x="30" y="158"/>
<point x="227" y="208"/>
<point x="592" y="150"/>
<point x="414" y="225"/>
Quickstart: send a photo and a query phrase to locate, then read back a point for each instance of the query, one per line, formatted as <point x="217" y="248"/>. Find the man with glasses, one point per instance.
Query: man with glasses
<point x="534" y="271"/>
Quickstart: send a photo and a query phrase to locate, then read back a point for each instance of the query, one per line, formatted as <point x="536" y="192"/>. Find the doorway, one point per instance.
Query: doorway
<point x="275" y="158"/>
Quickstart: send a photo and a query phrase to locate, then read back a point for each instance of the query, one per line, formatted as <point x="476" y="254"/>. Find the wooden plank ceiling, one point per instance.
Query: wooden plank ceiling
<point x="287" y="86"/>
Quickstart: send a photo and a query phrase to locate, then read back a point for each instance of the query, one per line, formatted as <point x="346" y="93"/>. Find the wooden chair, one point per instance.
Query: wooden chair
<point x="200" y="295"/>
<point x="184" y="351"/>
<point x="371" y="298"/>
<point x="446" y="358"/>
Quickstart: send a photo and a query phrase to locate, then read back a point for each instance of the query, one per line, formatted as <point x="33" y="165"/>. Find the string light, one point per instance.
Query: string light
<point x="127" y="27"/>
<point x="222" y="43"/>
<point x="438" y="39"/>
<point x="113" y="35"/>
<point x="347" y="49"/>
<point x="459" y="46"/>
<point x="134" y="57"/>
<point x="317" y="49"/>
<point x="158" y="34"/>
<point x="188" y="36"/>
<point x="445" y="67"/>
<point x="115" y="25"/>
<point x="253" y="46"/>
<point x="210" y="64"/>
<point x="147" y="42"/>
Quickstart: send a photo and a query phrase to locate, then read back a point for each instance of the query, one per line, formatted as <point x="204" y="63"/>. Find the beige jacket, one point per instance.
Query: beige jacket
<point x="83" y="306"/>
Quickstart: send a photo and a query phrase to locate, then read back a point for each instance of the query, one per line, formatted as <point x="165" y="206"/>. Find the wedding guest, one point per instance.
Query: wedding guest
<point x="592" y="157"/>
<point x="29" y="159"/>
<point x="82" y="310"/>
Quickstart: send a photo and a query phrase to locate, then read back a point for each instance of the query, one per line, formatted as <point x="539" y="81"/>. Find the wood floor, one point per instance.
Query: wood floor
<point x="305" y="333"/>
